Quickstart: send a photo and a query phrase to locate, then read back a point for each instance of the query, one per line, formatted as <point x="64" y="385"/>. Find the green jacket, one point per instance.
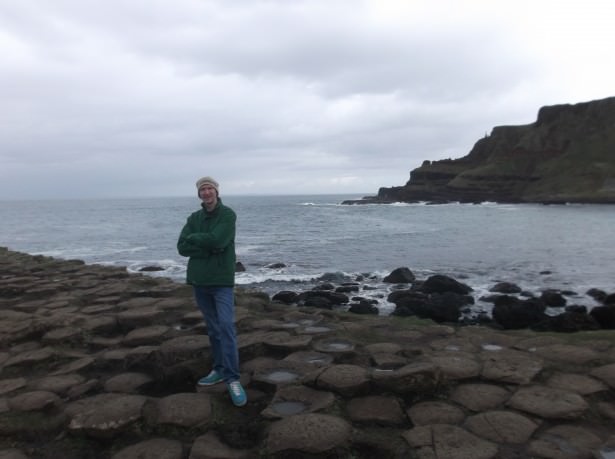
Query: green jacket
<point x="208" y="238"/>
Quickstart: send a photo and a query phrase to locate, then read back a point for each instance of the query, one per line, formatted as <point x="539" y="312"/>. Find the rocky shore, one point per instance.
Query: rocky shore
<point x="444" y="299"/>
<point x="98" y="363"/>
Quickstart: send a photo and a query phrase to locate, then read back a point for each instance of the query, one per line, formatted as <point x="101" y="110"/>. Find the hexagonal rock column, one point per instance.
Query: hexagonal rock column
<point x="347" y="380"/>
<point x="449" y="442"/>
<point x="548" y="403"/>
<point x="309" y="433"/>
<point x="419" y="377"/>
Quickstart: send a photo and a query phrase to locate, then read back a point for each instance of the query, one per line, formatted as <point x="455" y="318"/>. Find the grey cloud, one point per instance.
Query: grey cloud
<point x="114" y="98"/>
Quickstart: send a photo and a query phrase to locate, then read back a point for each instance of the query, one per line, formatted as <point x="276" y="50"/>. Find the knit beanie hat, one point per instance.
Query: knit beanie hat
<point x="207" y="181"/>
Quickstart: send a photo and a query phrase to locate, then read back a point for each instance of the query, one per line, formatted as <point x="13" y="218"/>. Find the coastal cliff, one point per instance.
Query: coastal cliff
<point x="566" y="155"/>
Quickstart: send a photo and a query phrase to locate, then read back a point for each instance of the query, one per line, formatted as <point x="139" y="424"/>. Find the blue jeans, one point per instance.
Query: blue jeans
<point x="217" y="306"/>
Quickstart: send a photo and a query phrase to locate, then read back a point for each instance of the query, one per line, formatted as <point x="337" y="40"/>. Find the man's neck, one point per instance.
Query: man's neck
<point x="210" y="206"/>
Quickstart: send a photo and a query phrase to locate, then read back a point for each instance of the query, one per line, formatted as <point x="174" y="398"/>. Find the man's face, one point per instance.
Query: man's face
<point x="208" y="195"/>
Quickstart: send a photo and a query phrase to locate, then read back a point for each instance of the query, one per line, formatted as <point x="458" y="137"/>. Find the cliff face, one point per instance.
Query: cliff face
<point x="567" y="155"/>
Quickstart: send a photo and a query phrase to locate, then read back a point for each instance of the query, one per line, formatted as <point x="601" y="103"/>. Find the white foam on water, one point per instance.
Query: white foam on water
<point x="491" y="347"/>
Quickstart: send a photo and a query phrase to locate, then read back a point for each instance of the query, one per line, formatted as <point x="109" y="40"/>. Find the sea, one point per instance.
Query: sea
<point x="294" y="242"/>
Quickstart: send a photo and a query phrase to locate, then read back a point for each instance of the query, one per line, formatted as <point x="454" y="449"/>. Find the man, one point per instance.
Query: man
<point x="208" y="238"/>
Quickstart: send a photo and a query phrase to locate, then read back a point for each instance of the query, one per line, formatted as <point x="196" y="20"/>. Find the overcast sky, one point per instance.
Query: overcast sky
<point x="123" y="98"/>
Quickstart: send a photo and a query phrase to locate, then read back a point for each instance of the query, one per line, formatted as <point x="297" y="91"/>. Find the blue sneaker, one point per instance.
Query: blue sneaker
<point x="238" y="395"/>
<point x="212" y="378"/>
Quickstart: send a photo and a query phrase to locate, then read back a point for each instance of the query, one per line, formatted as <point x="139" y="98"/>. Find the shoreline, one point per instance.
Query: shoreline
<point x="371" y="293"/>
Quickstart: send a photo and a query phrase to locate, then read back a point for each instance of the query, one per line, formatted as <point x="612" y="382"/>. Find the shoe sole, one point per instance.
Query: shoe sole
<point x="209" y="384"/>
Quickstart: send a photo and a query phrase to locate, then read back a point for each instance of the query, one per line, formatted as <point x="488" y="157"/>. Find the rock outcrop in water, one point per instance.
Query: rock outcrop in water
<point x="99" y="364"/>
<point x="567" y="155"/>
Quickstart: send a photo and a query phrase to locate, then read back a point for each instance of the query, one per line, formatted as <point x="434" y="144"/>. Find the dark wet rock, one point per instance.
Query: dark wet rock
<point x="373" y="441"/>
<point x="59" y="385"/>
<point x="384" y="348"/>
<point x="308" y="433"/>
<point x="502" y="426"/>
<point x="252" y="344"/>
<point x="275" y="266"/>
<point x="553" y="298"/>
<point x="548" y="403"/>
<point x="347" y="289"/>
<point x="80" y="390"/>
<point x="405" y="297"/>
<point x="29" y="358"/>
<point x="597" y="294"/>
<point x="63" y="335"/>
<point x="240" y="267"/>
<point x="376" y="409"/>
<point x="159" y="448"/>
<point x="182" y="409"/>
<point x="480" y="397"/>
<point x="440" y="307"/>
<point x="318" y="302"/>
<point x="400" y="276"/>
<point x="324" y="286"/>
<point x="210" y="446"/>
<point x="581" y="384"/>
<point x="104" y="325"/>
<point x="440" y="283"/>
<point x="605" y="316"/>
<point x="288" y="342"/>
<point x="346" y="380"/>
<point x="184" y="347"/>
<point x="565" y="442"/>
<point x="363" y="308"/>
<point x="104" y="415"/>
<point x="12" y="453"/>
<point x="532" y="343"/>
<point x="606" y="409"/>
<point x="315" y="297"/>
<point x="146" y="335"/>
<point x="505" y="287"/>
<point x="74" y="366"/>
<point x="513" y="313"/>
<point x="151" y="268"/>
<point x="449" y="442"/>
<point x="568" y="353"/>
<point x="34" y="401"/>
<point x="127" y="383"/>
<point x="510" y="366"/>
<point x="406" y="302"/>
<point x="12" y="384"/>
<point x="292" y="400"/>
<point x="316" y="359"/>
<point x="455" y="345"/>
<point x="568" y="322"/>
<point x="286" y="297"/>
<point x="444" y="307"/>
<point x="456" y="365"/>
<point x="435" y="412"/>
<point x="335" y="278"/>
<point x="578" y="308"/>
<point x="386" y="361"/>
<point x="414" y="378"/>
<point x="605" y="373"/>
